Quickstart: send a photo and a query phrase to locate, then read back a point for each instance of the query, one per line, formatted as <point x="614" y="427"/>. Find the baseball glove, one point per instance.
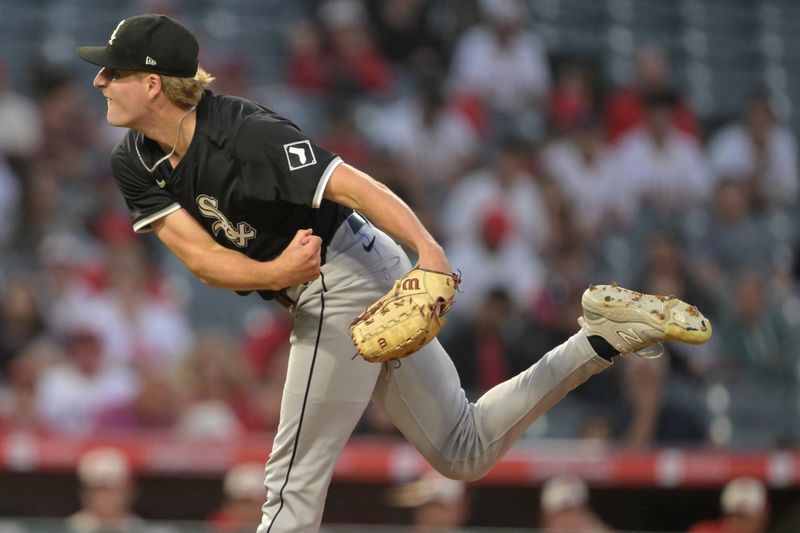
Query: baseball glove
<point x="407" y="317"/>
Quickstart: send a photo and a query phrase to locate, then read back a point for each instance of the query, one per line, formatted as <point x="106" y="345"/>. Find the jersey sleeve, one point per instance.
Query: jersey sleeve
<point x="146" y="201"/>
<point x="280" y="163"/>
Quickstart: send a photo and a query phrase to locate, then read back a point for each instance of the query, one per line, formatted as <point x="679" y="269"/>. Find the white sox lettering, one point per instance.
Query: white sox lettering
<point x="239" y="235"/>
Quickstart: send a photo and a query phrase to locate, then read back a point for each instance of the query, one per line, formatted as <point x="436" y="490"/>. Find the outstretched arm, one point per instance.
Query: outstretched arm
<point x="224" y="268"/>
<point x="355" y="189"/>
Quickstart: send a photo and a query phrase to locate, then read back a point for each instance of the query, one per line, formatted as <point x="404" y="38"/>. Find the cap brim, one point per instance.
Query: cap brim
<point x="100" y="56"/>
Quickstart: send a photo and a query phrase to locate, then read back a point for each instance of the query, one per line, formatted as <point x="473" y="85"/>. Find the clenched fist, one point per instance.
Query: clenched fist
<point x="300" y="260"/>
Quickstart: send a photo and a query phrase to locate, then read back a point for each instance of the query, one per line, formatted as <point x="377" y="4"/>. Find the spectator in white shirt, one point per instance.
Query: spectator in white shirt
<point x="21" y="132"/>
<point x="663" y="166"/>
<point x="502" y="60"/>
<point x="585" y="169"/>
<point x="759" y="151"/>
<point x="433" y="142"/>
<point x="136" y="325"/>
<point x="495" y="258"/>
<point x="507" y="184"/>
<point x="71" y="396"/>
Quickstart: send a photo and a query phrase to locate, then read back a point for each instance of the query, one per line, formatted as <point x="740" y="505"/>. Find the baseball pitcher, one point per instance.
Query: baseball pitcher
<point x="249" y="203"/>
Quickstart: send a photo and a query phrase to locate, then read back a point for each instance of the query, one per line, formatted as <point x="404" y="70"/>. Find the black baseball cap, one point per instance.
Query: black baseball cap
<point x="150" y="43"/>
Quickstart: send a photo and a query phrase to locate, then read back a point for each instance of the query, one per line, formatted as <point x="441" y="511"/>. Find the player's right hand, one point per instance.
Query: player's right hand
<point x="300" y="260"/>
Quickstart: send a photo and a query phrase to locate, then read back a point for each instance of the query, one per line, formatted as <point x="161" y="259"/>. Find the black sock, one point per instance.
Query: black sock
<point x="602" y="347"/>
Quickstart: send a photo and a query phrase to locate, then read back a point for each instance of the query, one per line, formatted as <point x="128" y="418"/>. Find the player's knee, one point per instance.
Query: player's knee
<point x="463" y="471"/>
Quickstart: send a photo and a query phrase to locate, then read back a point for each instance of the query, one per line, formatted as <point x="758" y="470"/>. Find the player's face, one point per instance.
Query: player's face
<point x="125" y="93"/>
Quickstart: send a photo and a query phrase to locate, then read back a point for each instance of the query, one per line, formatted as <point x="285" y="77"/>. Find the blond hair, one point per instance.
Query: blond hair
<point x="186" y="92"/>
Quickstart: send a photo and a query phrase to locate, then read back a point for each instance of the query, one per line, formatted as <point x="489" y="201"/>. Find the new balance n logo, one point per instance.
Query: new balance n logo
<point x="630" y="337"/>
<point x="239" y="235"/>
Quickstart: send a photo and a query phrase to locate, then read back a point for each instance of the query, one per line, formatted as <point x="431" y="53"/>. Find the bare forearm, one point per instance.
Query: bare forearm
<point x="353" y="188"/>
<point x="393" y="215"/>
<point x="228" y="269"/>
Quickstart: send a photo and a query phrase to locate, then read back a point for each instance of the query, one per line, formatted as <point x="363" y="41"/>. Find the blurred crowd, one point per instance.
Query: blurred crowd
<point x="565" y="506"/>
<point x="108" y="488"/>
<point x="538" y="175"/>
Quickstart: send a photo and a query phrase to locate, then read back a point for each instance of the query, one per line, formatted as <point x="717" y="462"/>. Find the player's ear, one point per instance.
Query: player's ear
<point x="152" y="84"/>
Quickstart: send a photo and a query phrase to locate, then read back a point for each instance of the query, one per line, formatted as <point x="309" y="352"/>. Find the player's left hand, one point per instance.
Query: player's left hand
<point x="407" y="317"/>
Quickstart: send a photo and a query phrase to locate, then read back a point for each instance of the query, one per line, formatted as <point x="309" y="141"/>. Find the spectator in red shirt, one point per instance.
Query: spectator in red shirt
<point x="745" y="509"/>
<point x="571" y="100"/>
<point x="625" y="106"/>
<point x="307" y="67"/>
<point x="338" y="54"/>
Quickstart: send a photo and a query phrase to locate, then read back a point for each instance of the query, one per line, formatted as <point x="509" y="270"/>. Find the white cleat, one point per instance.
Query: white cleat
<point x="634" y="322"/>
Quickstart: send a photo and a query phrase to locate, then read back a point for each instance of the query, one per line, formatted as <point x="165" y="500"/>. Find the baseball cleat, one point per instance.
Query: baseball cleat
<point x="636" y="322"/>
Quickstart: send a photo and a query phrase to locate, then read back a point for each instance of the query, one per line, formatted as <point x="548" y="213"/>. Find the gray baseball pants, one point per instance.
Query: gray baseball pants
<point x="327" y="390"/>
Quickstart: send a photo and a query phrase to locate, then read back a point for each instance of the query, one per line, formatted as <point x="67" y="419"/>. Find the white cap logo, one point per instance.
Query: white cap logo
<point x="114" y="35"/>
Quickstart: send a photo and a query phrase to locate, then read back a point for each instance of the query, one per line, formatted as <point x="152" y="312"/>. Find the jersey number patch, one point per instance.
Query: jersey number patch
<point x="239" y="235"/>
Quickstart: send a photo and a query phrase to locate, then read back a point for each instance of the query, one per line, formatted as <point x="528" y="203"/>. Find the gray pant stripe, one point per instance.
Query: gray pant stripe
<point x="305" y="401"/>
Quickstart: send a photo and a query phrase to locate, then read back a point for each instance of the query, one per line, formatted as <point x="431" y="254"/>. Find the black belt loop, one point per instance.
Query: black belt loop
<point x="282" y="298"/>
<point x="356" y="222"/>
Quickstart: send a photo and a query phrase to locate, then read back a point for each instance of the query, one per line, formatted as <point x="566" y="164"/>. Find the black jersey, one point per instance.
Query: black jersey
<point x="249" y="176"/>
